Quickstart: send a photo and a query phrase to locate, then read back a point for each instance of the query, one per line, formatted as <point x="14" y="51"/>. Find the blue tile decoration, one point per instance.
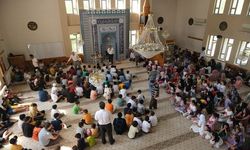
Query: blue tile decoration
<point x="99" y="24"/>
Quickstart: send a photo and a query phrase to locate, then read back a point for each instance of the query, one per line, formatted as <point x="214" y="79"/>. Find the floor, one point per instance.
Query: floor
<point x="172" y="133"/>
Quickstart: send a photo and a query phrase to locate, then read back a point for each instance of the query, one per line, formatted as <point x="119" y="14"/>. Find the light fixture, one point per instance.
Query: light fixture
<point x="149" y="43"/>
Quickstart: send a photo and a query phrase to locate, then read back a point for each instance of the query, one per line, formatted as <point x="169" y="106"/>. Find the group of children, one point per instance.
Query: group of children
<point x="137" y="118"/>
<point x="202" y="90"/>
<point x="199" y="91"/>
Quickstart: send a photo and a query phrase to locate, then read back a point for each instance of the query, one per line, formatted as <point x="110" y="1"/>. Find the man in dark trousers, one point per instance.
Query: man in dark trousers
<point x="154" y="95"/>
<point x="110" y="52"/>
<point x="104" y="119"/>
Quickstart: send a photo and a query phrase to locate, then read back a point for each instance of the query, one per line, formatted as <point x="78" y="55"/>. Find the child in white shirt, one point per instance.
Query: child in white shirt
<point x="140" y="96"/>
<point x="141" y="107"/>
<point x="153" y="119"/>
<point x="54" y="110"/>
<point x="146" y="125"/>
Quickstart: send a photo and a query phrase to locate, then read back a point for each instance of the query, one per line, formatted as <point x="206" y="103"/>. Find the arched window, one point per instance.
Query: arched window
<point x="243" y="53"/>
<point x="105" y="4"/>
<point x="226" y="49"/>
<point x="236" y="7"/>
<point x="219" y="6"/>
<point x="211" y="45"/>
<point x="135" y="6"/>
<point x="120" y="4"/>
<point x="88" y="4"/>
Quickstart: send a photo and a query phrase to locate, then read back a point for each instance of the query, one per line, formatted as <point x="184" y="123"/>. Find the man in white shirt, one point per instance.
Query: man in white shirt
<point x="104" y="119"/>
<point x="132" y="56"/>
<point x="202" y="54"/>
<point x="34" y="62"/>
<point x="110" y="52"/>
<point x="76" y="59"/>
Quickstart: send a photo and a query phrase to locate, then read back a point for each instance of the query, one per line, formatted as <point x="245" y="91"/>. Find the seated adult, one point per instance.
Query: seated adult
<point x="32" y="85"/>
<point x="119" y="124"/>
<point x="4" y="137"/>
<point x="46" y="137"/>
<point x="27" y="127"/>
<point x="17" y="75"/>
<point x="11" y="109"/>
<point x="43" y="95"/>
<point x="12" y="96"/>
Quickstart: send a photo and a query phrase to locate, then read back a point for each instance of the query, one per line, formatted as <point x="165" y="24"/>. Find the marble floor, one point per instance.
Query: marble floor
<point x="172" y="133"/>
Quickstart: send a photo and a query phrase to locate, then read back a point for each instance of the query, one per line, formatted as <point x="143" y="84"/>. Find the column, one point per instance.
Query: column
<point x="113" y="5"/>
<point x="97" y="4"/>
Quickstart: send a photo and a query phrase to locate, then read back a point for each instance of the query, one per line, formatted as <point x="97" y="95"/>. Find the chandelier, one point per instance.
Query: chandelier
<point x="149" y="43"/>
<point x="96" y="79"/>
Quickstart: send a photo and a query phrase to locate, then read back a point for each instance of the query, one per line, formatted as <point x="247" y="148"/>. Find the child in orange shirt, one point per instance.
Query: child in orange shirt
<point x="129" y="118"/>
<point x="109" y="106"/>
<point x="87" y="117"/>
<point x="36" y="131"/>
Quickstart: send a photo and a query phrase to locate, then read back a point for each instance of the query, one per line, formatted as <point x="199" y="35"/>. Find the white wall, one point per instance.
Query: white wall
<point x="167" y="10"/>
<point x="234" y="29"/>
<point x="176" y="14"/>
<point x="14" y="16"/>
<point x="190" y="9"/>
<point x="3" y="48"/>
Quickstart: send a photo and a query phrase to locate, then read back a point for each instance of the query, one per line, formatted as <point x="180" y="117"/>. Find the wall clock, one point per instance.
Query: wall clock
<point x="190" y="21"/>
<point x="223" y="26"/>
<point x="32" y="25"/>
<point x="160" y="20"/>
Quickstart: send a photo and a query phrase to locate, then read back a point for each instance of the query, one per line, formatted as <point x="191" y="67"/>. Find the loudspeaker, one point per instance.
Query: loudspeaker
<point x="219" y="36"/>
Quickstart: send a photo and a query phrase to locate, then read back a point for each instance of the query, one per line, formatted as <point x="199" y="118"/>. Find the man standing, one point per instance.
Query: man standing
<point x="153" y="75"/>
<point x="155" y="94"/>
<point x="104" y="119"/>
<point x="34" y="62"/>
<point x="76" y="59"/>
<point x="110" y="52"/>
<point x="202" y="54"/>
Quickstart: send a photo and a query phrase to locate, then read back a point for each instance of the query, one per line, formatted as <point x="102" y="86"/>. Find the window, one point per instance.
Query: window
<point x="226" y="49"/>
<point x="248" y="13"/>
<point x="219" y="6"/>
<point x="236" y="7"/>
<point x="105" y="4"/>
<point x="88" y="4"/>
<point x="211" y="45"/>
<point x="135" y="6"/>
<point x="120" y="4"/>
<point x="243" y="53"/>
<point x="133" y="37"/>
<point x="76" y="43"/>
<point x="71" y="6"/>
